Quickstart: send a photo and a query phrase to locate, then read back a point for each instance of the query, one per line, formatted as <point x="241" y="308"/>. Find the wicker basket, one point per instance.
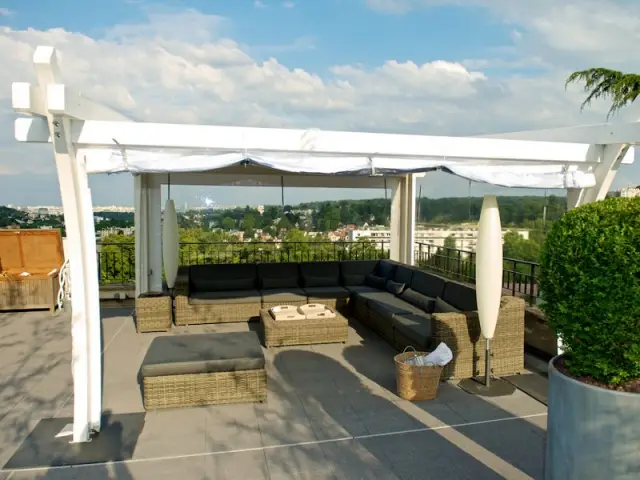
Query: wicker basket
<point x="414" y="382"/>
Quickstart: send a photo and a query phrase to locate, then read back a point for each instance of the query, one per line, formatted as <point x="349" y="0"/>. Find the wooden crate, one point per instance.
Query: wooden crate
<point x="38" y="253"/>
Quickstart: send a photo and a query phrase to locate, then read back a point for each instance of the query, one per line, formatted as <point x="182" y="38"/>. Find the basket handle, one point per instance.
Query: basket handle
<point x="409" y="347"/>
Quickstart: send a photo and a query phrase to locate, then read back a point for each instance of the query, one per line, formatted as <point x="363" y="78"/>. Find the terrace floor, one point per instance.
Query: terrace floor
<point x="331" y="413"/>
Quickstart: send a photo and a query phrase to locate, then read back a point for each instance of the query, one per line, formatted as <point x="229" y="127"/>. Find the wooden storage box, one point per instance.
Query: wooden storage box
<point x="39" y="254"/>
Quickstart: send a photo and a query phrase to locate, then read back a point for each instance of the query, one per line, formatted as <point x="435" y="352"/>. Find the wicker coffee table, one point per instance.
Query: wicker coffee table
<point x="303" y="332"/>
<point x="153" y="312"/>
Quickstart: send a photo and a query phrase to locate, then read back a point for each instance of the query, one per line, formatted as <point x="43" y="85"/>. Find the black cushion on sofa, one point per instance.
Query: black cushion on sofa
<point x="403" y="274"/>
<point x="388" y="302"/>
<point x="428" y="284"/>
<point x="283" y="295"/>
<point x="353" y="272"/>
<point x="394" y="287"/>
<point x="443" y="307"/>
<point x="225" y="297"/>
<point x="278" y="275"/>
<point x="419" y="300"/>
<point x="375" y="281"/>
<point x="210" y="278"/>
<point x="461" y="296"/>
<point x="354" y="289"/>
<point x="417" y="328"/>
<point x="386" y="269"/>
<point x="320" y="274"/>
<point x="326" y="292"/>
<point x="203" y="353"/>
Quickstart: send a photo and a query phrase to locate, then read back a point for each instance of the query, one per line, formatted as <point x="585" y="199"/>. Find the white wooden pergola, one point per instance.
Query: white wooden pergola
<point x="91" y="138"/>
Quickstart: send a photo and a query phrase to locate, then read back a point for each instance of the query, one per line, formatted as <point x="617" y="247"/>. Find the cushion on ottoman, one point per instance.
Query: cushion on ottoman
<point x="203" y="353"/>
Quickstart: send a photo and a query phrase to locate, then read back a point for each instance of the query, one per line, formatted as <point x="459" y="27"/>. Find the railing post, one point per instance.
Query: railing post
<point x="532" y="284"/>
<point x="515" y="276"/>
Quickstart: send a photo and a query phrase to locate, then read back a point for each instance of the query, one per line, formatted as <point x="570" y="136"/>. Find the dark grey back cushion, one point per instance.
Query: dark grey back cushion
<point x="419" y="300"/>
<point x="386" y="269"/>
<point x="320" y="274"/>
<point x="224" y="277"/>
<point x="461" y="296"/>
<point x="443" y="307"/>
<point x="375" y="282"/>
<point x="403" y="274"/>
<point x="353" y="272"/>
<point x="278" y="275"/>
<point x="428" y="284"/>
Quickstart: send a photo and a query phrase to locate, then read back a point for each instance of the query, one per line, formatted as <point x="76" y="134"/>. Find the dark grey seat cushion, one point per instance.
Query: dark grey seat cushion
<point x="320" y="274"/>
<point x="428" y="284"/>
<point x="203" y="353"/>
<point x="461" y="296"/>
<point x="234" y="297"/>
<point x="376" y="282"/>
<point x="327" y="292"/>
<point x="212" y="278"/>
<point x="417" y="328"/>
<point x="361" y="289"/>
<point x="278" y="275"/>
<point x="353" y="272"/>
<point x="283" y="295"/>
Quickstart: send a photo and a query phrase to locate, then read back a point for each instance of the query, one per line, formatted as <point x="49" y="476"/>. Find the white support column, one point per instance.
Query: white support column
<point x="155" y="233"/>
<point x="610" y="159"/>
<point x="408" y="219"/>
<point x="141" y="228"/>
<point x="83" y="265"/>
<point x="397" y="232"/>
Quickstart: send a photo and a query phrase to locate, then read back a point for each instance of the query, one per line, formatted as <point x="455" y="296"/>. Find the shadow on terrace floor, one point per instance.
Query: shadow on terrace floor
<point x="324" y="418"/>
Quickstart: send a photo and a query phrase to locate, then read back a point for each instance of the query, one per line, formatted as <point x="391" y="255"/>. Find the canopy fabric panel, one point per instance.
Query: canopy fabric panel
<point x="506" y="175"/>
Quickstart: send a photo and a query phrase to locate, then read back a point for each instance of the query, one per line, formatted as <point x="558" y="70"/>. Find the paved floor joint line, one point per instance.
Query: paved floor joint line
<point x="288" y="445"/>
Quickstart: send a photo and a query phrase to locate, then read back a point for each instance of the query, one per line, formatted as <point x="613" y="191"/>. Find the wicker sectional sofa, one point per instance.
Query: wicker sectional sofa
<point x="405" y="305"/>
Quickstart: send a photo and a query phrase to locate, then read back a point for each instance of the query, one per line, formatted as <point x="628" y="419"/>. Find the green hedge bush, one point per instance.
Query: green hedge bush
<point x="590" y="286"/>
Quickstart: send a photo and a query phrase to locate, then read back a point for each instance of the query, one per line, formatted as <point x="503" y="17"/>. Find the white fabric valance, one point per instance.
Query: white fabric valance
<point x="517" y="174"/>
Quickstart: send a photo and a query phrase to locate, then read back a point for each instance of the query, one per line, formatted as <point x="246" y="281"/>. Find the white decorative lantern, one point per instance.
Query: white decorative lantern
<point x="489" y="273"/>
<point x="170" y="243"/>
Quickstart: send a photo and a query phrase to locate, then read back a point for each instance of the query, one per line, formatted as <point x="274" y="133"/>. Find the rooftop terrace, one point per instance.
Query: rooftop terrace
<point x="331" y="413"/>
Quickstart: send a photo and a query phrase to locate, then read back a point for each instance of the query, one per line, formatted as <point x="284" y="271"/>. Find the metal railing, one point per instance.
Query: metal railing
<point x="519" y="277"/>
<point x="116" y="261"/>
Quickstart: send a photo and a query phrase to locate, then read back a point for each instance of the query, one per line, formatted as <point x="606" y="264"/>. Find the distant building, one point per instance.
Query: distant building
<point x="630" y="192"/>
<point x="465" y="236"/>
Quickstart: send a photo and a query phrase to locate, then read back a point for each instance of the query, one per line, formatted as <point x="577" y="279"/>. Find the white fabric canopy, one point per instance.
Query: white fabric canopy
<point x="99" y="160"/>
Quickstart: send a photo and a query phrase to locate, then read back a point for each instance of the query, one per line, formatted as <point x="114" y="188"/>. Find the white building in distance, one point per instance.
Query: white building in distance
<point x="466" y="236"/>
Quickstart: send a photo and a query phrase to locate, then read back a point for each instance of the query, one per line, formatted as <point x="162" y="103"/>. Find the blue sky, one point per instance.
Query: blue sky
<point x="447" y="67"/>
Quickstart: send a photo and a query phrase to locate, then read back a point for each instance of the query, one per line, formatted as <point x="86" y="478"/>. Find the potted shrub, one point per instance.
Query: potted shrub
<point x="590" y="288"/>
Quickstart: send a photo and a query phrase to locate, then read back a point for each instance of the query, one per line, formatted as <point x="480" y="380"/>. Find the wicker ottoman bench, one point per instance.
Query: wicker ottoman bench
<point x="303" y="332"/>
<point x="203" y="369"/>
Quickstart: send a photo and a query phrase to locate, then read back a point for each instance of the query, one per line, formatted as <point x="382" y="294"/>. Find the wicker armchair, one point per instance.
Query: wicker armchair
<point x="461" y="332"/>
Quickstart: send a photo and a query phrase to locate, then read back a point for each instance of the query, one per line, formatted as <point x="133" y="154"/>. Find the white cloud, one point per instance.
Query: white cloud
<point x="259" y="4"/>
<point x="184" y="67"/>
<point x="5" y="12"/>
<point x="289" y="4"/>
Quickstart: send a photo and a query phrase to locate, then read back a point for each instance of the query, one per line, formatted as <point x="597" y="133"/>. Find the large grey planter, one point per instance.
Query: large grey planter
<point x="592" y="433"/>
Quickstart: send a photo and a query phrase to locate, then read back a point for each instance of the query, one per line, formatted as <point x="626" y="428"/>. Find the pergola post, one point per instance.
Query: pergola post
<point x="148" y="233"/>
<point x="81" y="243"/>
<point x="395" y="244"/>
<point x="610" y="159"/>
<point x="403" y="218"/>
<point x="155" y="234"/>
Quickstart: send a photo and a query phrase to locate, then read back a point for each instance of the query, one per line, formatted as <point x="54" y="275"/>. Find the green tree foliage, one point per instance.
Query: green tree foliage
<point x="591" y="288"/>
<point x="228" y="224"/>
<point x="248" y="225"/>
<point x="520" y="248"/>
<point x="620" y="88"/>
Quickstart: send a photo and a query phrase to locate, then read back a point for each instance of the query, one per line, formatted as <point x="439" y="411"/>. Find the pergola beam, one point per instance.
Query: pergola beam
<point x="248" y="179"/>
<point x="619" y="133"/>
<point x="357" y="144"/>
